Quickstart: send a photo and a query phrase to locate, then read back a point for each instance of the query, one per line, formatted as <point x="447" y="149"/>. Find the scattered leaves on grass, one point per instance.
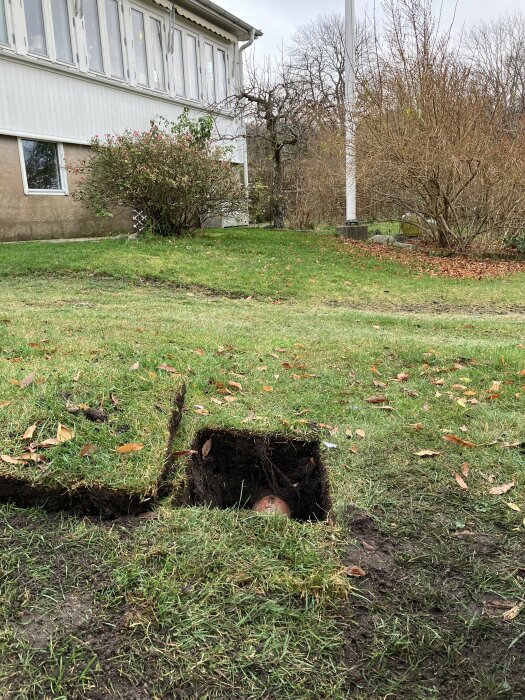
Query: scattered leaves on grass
<point x="206" y="448"/>
<point x="235" y="385"/>
<point x="130" y="447"/>
<point x="64" y="433"/>
<point x="87" y="450"/>
<point x="4" y="404"/>
<point x="29" y="432"/>
<point x="498" y="490"/>
<point x="360" y="434"/>
<point x="427" y="453"/>
<point x="459" y="441"/>
<point x="26" y="381"/>
<point x="376" y="399"/>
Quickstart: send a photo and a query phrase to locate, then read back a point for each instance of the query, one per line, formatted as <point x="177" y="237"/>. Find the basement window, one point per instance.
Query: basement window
<point x="43" y="170"/>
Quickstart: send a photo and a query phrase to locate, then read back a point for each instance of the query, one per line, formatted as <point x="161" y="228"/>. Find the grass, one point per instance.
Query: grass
<point x="199" y="603"/>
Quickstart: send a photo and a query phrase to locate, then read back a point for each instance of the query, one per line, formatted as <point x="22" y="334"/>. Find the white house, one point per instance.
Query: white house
<point x="73" y="69"/>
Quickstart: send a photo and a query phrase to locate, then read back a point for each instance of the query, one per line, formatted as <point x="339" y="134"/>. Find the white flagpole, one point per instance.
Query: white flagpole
<point x="351" y="208"/>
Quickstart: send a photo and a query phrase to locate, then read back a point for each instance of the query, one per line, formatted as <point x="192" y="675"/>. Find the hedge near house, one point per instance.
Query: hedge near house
<point x="173" y="173"/>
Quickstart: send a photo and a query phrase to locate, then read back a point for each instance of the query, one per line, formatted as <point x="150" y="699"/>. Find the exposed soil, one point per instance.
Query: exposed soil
<point x="403" y="596"/>
<point x="235" y="469"/>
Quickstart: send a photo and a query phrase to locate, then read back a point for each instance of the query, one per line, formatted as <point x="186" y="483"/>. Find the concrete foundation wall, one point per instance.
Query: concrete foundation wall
<point x="32" y="217"/>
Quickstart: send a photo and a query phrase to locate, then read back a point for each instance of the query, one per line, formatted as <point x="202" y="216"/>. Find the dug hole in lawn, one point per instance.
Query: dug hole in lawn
<point x="268" y="473"/>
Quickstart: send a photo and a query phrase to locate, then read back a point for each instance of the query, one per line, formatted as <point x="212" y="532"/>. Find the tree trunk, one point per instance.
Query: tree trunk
<point x="278" y="207"/>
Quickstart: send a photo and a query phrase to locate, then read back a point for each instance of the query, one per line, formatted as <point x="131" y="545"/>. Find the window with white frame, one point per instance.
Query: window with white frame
<point x="148" y="49"/>
<point x="35" y="27"/>
<point x="192" y="60"/>
<point x="4" y="33"/>
<point x="116" y="60"/>
<point x="48" y="29"/>
<point x="222" y="75"/>
<point x="93" y="38"/>
<point x="139" y="47"/>
<point x="43" y="170"/>
<point x="157" y="53"/>
<point x="178" y="57"/>
<point x="209" y="67"/>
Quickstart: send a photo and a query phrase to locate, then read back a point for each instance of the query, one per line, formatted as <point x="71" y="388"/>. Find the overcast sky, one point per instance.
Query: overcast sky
<point x="278" y="19"/>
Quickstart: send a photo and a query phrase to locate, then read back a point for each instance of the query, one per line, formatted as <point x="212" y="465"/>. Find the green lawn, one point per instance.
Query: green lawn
<point x="198" y="603"/>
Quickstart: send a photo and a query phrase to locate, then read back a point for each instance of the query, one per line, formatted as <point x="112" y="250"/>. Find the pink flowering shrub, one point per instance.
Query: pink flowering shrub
<point x="172" y="173"/>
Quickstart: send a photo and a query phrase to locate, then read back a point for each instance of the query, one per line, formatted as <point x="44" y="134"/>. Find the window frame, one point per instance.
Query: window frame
<point x="9" y="27"/>
<point x="49" y="34"/>
<point x="105" y="39"/>
<point x="148" y="14"/>
<point x="197" y="38"/>
<point x="64" y="191"/>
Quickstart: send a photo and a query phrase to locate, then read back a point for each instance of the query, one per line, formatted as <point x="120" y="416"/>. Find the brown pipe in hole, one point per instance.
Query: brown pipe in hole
<point x="272" y="505"/>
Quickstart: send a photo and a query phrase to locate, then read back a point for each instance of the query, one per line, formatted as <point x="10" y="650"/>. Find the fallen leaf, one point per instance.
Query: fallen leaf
<point x="262" y="368"/>
<point x="465" y="469"/>
<point x="416" y="426"/>
<point x="184" y="453"/>
<point x="29" y="432"/>
<point x="130" y="447"/>
<point x="206" y="448"/>
<point x="514" y="506"/>
<point x="10" y="460"/>
<point x="495" y="387"/>
<point x="458" y="441"/>
<point x="374" y="370"/>
<point x="50" y="442"/>
<point x="200" y="352"/>
<point x="403" y="377"/>
<point x="427" y="453"/>
<point x="380" y="385"/>
<point x="498" y="490"/>
<point x="26" y="381"/>
<point x="4" y="404"/>
<point x="64" y="434"/>
<point x="235" y="385"/>
<point x="360" y="434"/>
<point x="88" y="449"/>
<point x="461" y="481"/>
<point x="376" y="399"/>
<point x="134" y="367"/>
<point x="201" y="411"/>
<point x="355" y="571"/>
<point x="513" y="612"/>
<point x="267" y="388"/>
<point x="168" y="368"/>
<point x="217" y="401"/>
<point x="230" y="399"/>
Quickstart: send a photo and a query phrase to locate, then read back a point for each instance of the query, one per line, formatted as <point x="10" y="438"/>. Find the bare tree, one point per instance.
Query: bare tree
<point x="432" y="139"/>
<point x="272" y="97"/>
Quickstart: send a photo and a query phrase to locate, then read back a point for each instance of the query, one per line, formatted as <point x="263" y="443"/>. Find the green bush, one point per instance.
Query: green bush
<point x="516" y="241"/>
<point x="172" y="173"/>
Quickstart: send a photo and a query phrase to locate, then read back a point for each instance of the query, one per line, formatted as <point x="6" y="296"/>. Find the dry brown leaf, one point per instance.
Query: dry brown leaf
<point x="495" y="387"/>
<point x="262" y="368"/>
<point x="130" y="447"/>
<point x="459" y="441"/>
<point x="461" y="482"/>
<point x="380" y="385"/>
<point x="10" y="460"/>
<point x="374" y="370"/>
<point x="201" y="411"/>
<point x="134" y="367"/>
<point x="200" y="351"/>
<point x="267" y="388"/>
<point x="427" y="453"/>
<point x="230" y="399"/>
<point x="376" y="399"/>
<point x="498" y="490"/>
<point x="235" y="385"/>
<point x="168" y="368"/>
<point x="88" y="449"/>
<point x="513" y="612"/>
<point x="29" y="432"/>
<point x="360" y="434"/>
<point x="514" y="506"/>
<point x="4" y="404"/>
<point x="355" y="571"/>
<point x="184" y="453"/>
<point x="217" y="401"/>
<point x="206" y="448"/>
<point x="64" y="434"/>
<point x="50" y="442"/>
<point x="26" y="381"/>
<point x="465" y="469"/>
